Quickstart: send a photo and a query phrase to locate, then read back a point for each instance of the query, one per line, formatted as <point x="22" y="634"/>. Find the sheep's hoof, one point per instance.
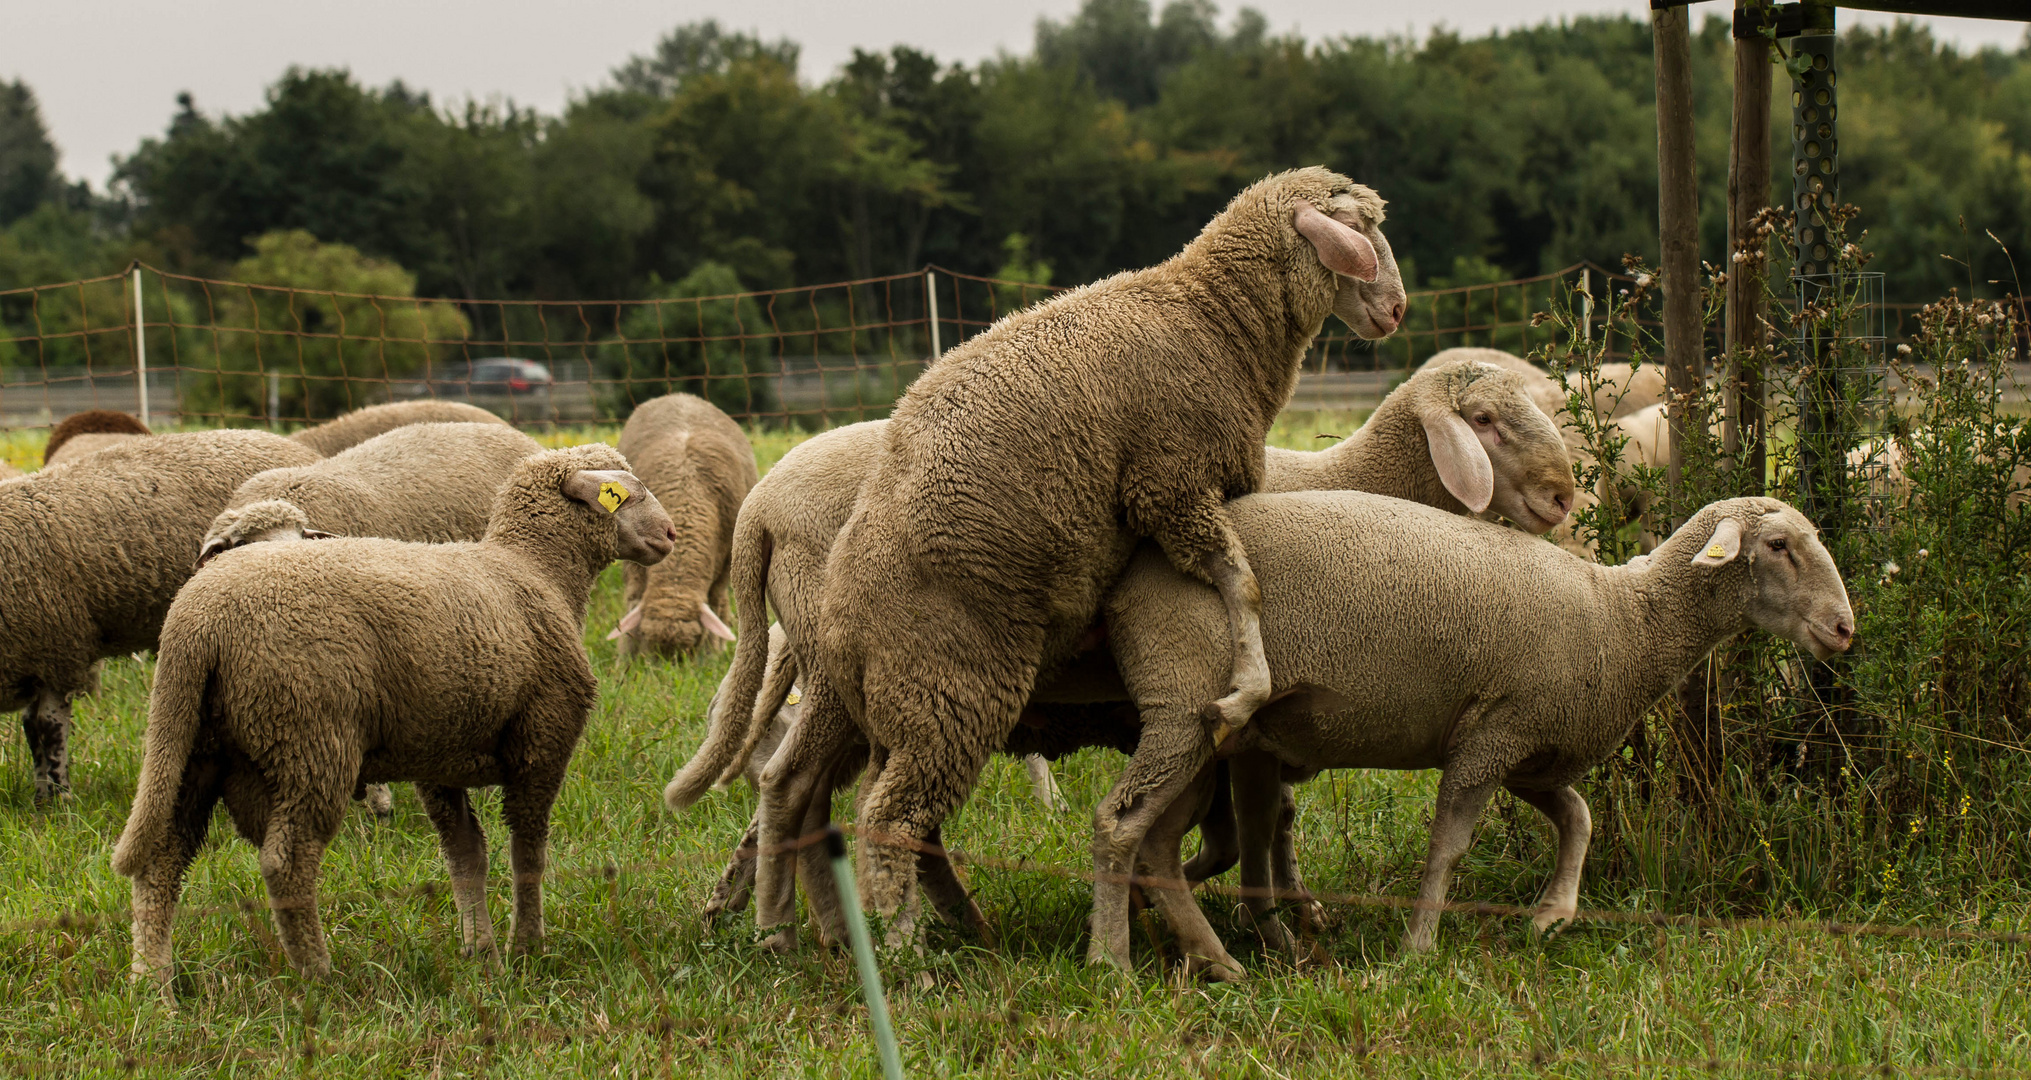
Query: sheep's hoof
<point x="783" y="942"/>
<point x="1549" y="921"/>
<point x="1214" y="971"/>
<point x="48" y="795"/>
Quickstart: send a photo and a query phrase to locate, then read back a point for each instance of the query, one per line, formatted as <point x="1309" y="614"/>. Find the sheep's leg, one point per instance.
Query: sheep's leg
<point x="1162" y="877"/>
<point x="160" y="883"/>
<point x="1199" y="539"/>
<point x="1219" y="844"/>
<point x="525" y="806"/>
<point x="814" y="863"/>
<point x="47" y="723"/>
<point x="1459" y="806"/>
<point x="1168" y="758"/>
<point x="465" y="853"/>
<point x="1568" y="814"/>
<point x="1284" y="865"/>
<point x="1258" y="806"/>
<point x="799" y="771"/>
<point x="299" y="829"/>
<point x="949" y="896"/>
<point x="1044" y="785"/>
<point x="737" y="882"/>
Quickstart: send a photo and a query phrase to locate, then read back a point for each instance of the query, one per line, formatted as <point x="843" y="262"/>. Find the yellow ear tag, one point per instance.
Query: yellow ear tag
<point x="612" y="495"/>
<point x="1716" y="552"/>
<point x="793" y="699"/>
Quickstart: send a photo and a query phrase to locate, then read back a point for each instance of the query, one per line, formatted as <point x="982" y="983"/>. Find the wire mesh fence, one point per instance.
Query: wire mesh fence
<point x="223" y="353"/>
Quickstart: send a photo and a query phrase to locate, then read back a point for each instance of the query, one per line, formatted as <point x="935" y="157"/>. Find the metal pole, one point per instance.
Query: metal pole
<point x="931" y="293"/>
<point x="1587" y="306"/>
<point x="863" y="951"/>
<point x="140" y="348"/>
<point x="1748" y="194"/>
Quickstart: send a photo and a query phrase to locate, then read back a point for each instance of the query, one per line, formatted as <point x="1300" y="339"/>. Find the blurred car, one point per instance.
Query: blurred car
<point x="508" y="375"/>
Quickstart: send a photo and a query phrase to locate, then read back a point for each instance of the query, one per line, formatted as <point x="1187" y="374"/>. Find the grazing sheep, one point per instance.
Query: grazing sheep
<point x="431" y="483"/>
<point x="789" y="523"/>
<point x="291" y="673"/>
<point x="82" y="433"/>
<point x="1498" y="659"/>
<point x="1624" y="389"/>
<point x="91" y="553"/>
<point x="356" y="427"/>
<point x="699" y="464"/>
<point x="1018" y="472"/>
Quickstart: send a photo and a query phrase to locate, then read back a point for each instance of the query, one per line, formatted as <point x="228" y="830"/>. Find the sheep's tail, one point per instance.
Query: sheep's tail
<point x="183" y="665"/>
<point x="732" y="706"/>
<point x="779" y="676"/>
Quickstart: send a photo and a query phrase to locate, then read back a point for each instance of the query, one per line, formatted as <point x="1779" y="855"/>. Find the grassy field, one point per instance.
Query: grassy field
<point x="632" y="984"/>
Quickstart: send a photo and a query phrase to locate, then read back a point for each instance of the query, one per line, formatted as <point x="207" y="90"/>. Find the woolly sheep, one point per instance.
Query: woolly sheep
<point x="1016" y="474"/>
<point x="356" y="427"/>
<point x="1497" y="659"/>
<point x="699" y="464"/>
<point x="92" y="551"/>
<point x="290" y="673"/>
<point x="426" y="482"/>
<point x="1623" y="389"/>
<point x="92" y="430"/>
<point x="789" y="524"/>
<point x="8" y="472"/>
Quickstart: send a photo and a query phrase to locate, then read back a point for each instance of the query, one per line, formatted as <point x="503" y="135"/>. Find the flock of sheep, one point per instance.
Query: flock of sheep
<point x="1069" y="534"/>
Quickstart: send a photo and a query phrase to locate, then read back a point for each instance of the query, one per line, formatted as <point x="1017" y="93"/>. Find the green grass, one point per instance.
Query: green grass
<point x="632" y="984"/>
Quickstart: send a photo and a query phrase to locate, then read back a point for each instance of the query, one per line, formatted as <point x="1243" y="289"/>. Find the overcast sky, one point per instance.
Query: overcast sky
<point x="108" y="71"/>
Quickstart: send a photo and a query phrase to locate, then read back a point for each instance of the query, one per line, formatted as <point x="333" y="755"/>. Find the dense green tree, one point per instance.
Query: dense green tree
<point x="28" y="175"/>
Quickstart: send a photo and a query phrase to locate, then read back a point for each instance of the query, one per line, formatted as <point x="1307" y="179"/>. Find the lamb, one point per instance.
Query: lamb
<point x="290" y="673"/>
<point x="1498" y="659"/>
<point x="699" y="464"/>
<point x="92" y="551"/>
<point x="356" y="427"/>
<point x="82" y="433"/>
<point x="790" y="522"/>
<point x="426" y="482"/>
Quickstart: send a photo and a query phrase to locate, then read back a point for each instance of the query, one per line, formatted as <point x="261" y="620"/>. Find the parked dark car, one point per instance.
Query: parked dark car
<point x="508" y="375"/>
<point x="517" y="389"/>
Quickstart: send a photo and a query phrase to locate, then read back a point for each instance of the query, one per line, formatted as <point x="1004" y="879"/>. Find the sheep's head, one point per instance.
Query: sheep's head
<point x="254" y="523"/>
<point x="1494" y="448"/>
<point x="670" y="626"/>
<point x="1793" y="589"/>
<point x="642" y="532"/>
<point x="1338" y="223"/>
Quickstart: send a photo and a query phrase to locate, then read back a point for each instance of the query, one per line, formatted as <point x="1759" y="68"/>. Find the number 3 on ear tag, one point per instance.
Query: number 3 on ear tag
<point x="612" y="495"/>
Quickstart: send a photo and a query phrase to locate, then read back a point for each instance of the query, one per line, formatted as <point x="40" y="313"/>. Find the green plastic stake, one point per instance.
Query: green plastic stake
<point x="863" y="955"/>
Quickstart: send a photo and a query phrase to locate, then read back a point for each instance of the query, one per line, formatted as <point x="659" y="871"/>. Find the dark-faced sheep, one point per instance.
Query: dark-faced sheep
<point x="699" y="464"/>
<point x="1500" y="660"/>
<point x="356" y="427"/>
<point x="1016" y="476"/>
<point x="92" y="551"/>
<point x="291" y="673"/>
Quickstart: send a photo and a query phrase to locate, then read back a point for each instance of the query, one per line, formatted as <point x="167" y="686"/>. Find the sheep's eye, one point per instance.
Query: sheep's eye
<point x="1777" y="544"/>
<point x="1483" y="419"/>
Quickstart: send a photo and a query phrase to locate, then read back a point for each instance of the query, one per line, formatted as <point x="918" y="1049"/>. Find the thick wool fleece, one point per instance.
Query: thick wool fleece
<point x="701" y="467"/>
<point x="82" y="433"/>
<point x="91" y="554"/>
<point x="290" y="673"/>
<point x="426" y="482"/>
<point x="1017" y="474"/>
<point x="356" y="427"/>
<point x="1498" y="658"/>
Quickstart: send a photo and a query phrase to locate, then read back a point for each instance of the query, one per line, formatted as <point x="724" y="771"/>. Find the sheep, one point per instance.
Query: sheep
<point x="789" y="523"/>
<point x="1488" y="655"/>
<point x="8" y="472"/>
<point x="1018" y="471"/>
<point x="356" y="427"/>
<point x="82" y="433"/>
<point x="1623" y="389"/>
<point x="698" y="462"/>
<point x="426" y="482"/>
<point x="92" y="551"/>
<point x="290" y="673"/>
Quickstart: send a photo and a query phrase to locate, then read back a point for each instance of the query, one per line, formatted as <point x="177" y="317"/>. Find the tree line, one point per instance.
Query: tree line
<point x="1105" y="147"/>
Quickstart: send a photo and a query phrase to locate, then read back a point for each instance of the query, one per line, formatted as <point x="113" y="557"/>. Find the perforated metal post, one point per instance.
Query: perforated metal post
<point x="140" y="348"/>
<point x="1815" y="189"/>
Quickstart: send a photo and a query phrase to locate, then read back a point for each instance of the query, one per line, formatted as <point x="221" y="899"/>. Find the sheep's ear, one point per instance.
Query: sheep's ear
<point x="1461" y="459"/>
<point x="628" y="623"/>
<point x="608" y="489"/>
<point x="1723" y="546"/>
<point x="1343" y="250"/>
<point x="216" y="546"/>
<point x="712" y="623"/>
<point x="319" y="534"/>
